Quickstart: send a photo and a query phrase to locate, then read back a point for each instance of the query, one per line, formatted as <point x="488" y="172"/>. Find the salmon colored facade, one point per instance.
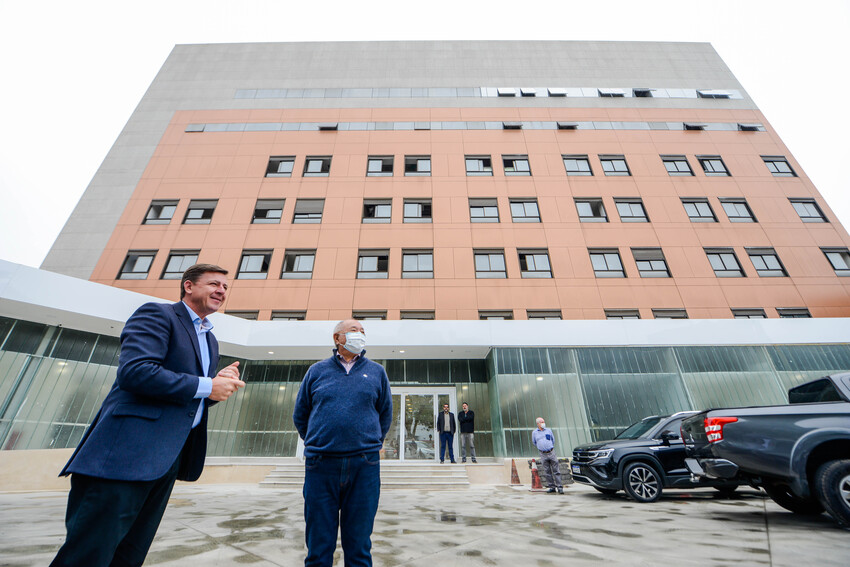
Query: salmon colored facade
<point x="230" y="167"/>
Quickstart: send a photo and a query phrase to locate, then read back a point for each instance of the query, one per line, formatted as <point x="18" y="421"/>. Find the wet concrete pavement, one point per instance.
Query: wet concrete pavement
<point x="224" y="525"/>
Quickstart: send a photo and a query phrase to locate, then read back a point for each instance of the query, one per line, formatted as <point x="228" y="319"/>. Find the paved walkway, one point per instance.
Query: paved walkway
<point x="234" y="525"/>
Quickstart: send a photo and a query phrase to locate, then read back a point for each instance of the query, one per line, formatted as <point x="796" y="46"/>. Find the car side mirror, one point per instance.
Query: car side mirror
<point x="668" y="436"/>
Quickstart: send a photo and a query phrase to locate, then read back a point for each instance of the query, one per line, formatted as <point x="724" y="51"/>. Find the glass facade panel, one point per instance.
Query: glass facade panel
<point x="624" y="385"/>
<point x="729" y="376"/>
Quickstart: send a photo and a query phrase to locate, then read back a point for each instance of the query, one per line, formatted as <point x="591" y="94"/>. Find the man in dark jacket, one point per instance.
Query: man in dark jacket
<point x="151" y="428"/>
<point x="343" y="412"/>
<point x="466" y="418"/>
<point x="446" y="426"/>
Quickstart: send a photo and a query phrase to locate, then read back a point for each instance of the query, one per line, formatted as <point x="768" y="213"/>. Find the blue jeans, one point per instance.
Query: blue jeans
<point x="341" y="494"/>
<point x="446" y="439"/>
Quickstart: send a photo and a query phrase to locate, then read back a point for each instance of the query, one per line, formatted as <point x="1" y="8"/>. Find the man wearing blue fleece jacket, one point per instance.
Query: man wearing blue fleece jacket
<point x="343" y="412"/>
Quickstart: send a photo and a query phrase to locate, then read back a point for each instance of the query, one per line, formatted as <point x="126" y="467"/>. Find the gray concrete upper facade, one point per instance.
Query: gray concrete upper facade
<point x="206" y="77"/>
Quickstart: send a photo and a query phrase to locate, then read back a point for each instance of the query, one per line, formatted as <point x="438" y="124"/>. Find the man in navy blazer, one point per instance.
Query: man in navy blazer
<point x="151" y="428"/>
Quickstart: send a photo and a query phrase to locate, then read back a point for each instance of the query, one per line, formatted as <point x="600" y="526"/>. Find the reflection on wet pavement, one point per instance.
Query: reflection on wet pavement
<point x="216" y="525"/>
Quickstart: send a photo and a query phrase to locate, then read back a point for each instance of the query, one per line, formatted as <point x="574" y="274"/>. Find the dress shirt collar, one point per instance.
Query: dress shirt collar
<point x="201" y="325"/>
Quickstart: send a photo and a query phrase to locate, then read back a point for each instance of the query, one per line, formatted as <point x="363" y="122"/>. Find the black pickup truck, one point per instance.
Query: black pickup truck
<point x="798" y="453"/>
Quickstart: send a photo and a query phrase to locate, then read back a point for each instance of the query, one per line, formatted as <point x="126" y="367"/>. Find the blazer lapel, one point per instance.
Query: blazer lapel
<point x="183" y="317"/>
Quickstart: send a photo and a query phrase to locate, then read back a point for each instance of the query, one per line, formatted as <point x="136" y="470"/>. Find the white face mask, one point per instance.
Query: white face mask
<point x="355" y="342"/>
<point x="542" y="425"/>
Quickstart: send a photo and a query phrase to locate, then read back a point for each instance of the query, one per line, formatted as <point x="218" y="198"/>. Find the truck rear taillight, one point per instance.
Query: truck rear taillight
<point x="714" y="427"/>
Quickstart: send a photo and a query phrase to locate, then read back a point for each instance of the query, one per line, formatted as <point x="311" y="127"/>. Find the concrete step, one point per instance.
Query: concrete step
<point x="393" y="476"/>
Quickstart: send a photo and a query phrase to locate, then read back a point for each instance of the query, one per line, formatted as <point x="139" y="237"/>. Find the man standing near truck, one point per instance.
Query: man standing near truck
<point x="544" y="440"/>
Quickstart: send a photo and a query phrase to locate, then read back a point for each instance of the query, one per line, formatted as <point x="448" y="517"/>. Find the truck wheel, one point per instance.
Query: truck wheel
<point x="832" y="485"/>
<point x="606" y="491"/>
<point x="641" y="482"/>
<point x="793" y="503"/>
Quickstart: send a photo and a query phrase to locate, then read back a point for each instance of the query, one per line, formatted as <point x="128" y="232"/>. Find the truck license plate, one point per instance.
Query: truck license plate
<point x="576" y="469"/>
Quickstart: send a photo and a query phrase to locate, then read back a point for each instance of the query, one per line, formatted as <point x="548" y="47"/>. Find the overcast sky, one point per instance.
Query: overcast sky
<point x="71" y="73"/>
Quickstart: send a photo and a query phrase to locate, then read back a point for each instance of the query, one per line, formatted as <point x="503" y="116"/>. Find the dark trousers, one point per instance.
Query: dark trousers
<point x="341" y="495"/>
<point x="551" y="467"/>
<point x="447" y="440"/>
<point x="112" y="522"/>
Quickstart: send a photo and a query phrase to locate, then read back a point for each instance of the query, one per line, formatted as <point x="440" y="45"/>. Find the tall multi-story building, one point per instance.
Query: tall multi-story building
<point x="495" y="210"/>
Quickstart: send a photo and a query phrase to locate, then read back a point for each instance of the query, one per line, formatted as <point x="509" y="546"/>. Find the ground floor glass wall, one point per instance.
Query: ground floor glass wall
<point x="590" y="394"/>
<point x="53" y="379"/>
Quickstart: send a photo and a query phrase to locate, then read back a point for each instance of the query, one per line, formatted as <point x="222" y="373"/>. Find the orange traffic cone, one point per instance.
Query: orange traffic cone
<point x="535" y="476"/>
<point x="514" y="474"/>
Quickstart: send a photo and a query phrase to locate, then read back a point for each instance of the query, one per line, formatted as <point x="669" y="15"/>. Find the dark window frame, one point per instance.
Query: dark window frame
<point x="164" y="205"/>
<point x="262" y="273"/>
<point x="292" y="259"/>
<point x="136" y="255"/>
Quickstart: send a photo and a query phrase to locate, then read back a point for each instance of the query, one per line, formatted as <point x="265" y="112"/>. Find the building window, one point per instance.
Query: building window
<point x="308" y="211"/>
<point x="200" y="212"/>
<point x="606" y="263"/>
<point x="613" y="93"/>
<point x="268" y="211"/>
<point x="535" y="315"/>
<point x="160" y="212"/>
<point x="713" y="93"/>
<point x="749" y="314"/>
<point x="516" y="165"/>
<point x="417" y="165"/>
<point x="793" y="313"/>
<point x="280" y="166"/>
<point x="417" y="315"/>
<point x="369" y="315"/>
<point x="417" y="264"/>
<point x="840" y="260"/>
<point x="136" y="265"/>
<point x="591" y="210"/>
<point x="631" y="210"/>
<point x="377" y="210"/>
<point x="496" y="315"/>
<point x="766" y="263"/>
<point x="298" y="264"/>
<point x="779" y="166"/>
<point x="289" y="315"/>
<point x="254" y="265"/>
<point x="479" y="165"/>
<point x="724" y="262"/>
<point x="247" y="315"/>
<point x="699" y="210"/>
<point x="622" y="314"/>
<point x="373" y="264"/>
<point x="417" y="210"/>
<point x="713" y="166"/>
<point x="737" y="210"/>
<point x="483" y="210"/>
<point x="525" y="210"/>
<point x="178" y="262"/>
<point x="317" y="166"/>
<point x="614" y="165"/>
<point x="577" y="165"/>
<point x="534" y="264"/>
<point x="490" y="264"/>
<point x="677" y="165"/>
<point x="808" y="210"/>
<point x="669" y="313"/>
<point x="379" y="166"/>
<point x="651" y="263"/>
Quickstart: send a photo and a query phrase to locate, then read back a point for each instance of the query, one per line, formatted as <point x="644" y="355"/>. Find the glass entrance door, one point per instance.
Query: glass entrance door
<point x="413" y="433"/>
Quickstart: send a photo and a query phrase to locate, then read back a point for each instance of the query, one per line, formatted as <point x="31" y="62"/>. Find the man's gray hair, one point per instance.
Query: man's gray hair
<point x="341" y="325"/>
